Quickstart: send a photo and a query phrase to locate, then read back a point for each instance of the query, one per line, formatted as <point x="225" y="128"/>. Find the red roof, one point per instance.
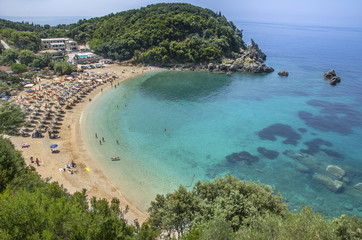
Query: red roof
<point x="5" y="68"/>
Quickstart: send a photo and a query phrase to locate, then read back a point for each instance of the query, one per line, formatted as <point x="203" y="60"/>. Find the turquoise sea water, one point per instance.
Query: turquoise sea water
<point x="177" y="127"/>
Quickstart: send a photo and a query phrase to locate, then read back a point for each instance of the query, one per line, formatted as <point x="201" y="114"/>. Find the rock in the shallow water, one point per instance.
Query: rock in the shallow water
<point x="270" y="154"/>
<point x="336" y="171"/>
<point x="333" y="185"/>
<point x="302" y="168"/>
<point x="330" y="74"/>
<point x="334" y="80"/>
<point x="358" y="186"/>
<point x="348" y="206"/>
<point x="283" y="73"/>
<point x="306" y="159"/>
<point x="346" y="180"/>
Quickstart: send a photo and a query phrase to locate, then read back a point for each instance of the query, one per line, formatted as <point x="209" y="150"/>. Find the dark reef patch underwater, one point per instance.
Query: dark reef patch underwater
<point x="270" y="154"/>
<point x="242" y="157"/>
<point x="333" y="117"/>
<point x="281" y="130"/>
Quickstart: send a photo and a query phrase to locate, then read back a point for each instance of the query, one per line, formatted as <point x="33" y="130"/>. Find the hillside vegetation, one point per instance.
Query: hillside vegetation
<point x="164" y="33"/>
<point x="160" y="33"/>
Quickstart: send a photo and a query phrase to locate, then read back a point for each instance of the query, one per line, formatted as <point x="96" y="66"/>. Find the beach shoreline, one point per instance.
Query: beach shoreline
<point x="72" y="148"/>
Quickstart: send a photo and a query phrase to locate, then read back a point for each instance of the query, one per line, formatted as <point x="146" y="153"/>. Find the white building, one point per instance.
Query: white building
<point x="61" y="44"/>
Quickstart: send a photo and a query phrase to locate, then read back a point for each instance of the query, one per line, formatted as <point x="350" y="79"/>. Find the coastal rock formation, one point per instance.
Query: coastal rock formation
<point x="251" y="59"/>
<point x="336" y="171"/>
<point x="333" y="185"/>
<point x="283" y="73"/>
<point x="358" y="186"/>
<point x="333" y="78"/>
<point x="211" y="67"/>
<point x="329" y="74"/>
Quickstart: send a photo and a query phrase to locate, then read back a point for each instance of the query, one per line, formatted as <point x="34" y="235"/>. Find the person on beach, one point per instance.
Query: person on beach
<point x="31" y="160"/>
<point x="103" y="139"/>
<point x="37" y="162"/>
<point x="100" y="142"/>
<point x="117" y="142"/>
<point x="96" y="135"/>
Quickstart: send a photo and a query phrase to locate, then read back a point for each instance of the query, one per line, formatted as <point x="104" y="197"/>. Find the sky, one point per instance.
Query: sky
<point x="303" y="12"/>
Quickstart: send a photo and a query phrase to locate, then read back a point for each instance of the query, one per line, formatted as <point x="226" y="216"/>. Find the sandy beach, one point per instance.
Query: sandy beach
<point x="87" y="174"/>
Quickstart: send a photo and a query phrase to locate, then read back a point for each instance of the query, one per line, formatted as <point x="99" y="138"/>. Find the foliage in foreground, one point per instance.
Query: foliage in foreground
<point x="228" y="208"/>
<point x="224" y="209"/>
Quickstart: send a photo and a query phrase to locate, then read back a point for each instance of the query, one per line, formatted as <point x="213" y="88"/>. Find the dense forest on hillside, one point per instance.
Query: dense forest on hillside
<point x="23" y="40"/>
<point x="160" y="33"/>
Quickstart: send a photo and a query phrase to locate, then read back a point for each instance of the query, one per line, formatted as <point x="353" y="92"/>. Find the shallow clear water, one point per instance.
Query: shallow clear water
<point x="177" y="127"/>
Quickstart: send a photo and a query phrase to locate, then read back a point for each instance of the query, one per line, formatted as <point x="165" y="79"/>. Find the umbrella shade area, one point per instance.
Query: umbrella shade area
<point x="28" y="85"/>
<point x="53" y="145"/>
<point x="29" y="91"/>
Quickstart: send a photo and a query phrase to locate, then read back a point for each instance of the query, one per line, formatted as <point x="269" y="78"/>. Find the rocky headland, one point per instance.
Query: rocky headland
<point x="249" y="59"/>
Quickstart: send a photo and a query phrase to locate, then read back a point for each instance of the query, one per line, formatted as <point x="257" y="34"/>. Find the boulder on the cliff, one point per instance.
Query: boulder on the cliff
<point x="330" y="74"/>
<point x="283" y="73"/>
<point x="233" y="67"/>
<point x="211" y="66"/>
<point x="255" y="51"/>
<point x="333" y="185"/>
<point x="224" y="67"/>
<point x="251" y="60"/>
<point x="336" y="171"/>
<point x="358" y="186"/>
<point x="334" y="80"/>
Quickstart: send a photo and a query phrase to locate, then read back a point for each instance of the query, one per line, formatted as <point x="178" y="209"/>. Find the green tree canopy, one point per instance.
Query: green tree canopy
<point x="225" y="198"/>
<point x="63" y="68"/>
<point x="11" y="162"/>
<point x="11" y="117"/>
<point x="21" y="39"/>
<point x="9" y="56"/>
<point x="26" y="57"/>
<point x="18" y="68"/>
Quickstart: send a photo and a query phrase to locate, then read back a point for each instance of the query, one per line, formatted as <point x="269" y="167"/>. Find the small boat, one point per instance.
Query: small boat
<point x="115" y="158"/>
